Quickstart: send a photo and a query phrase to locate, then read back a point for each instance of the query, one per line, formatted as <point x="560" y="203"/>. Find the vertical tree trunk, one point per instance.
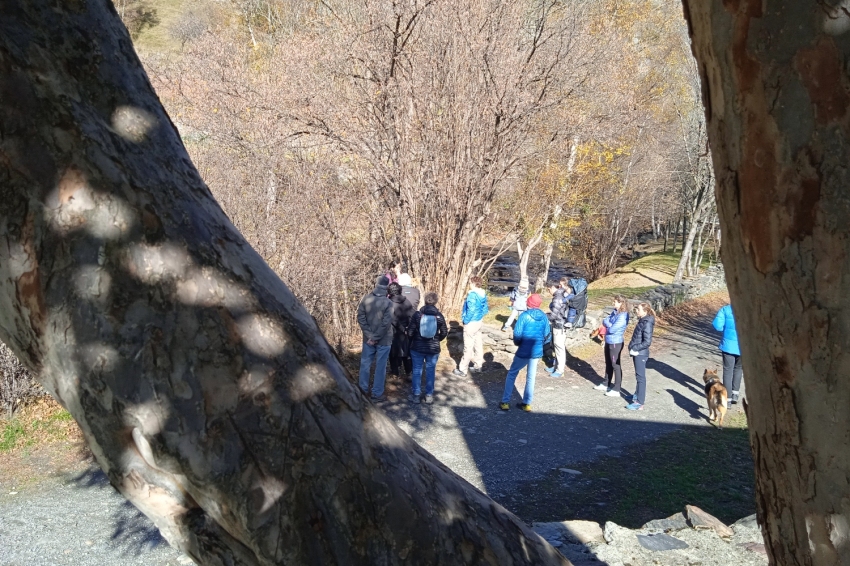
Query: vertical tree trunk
<point x="666" y="235"/>
<point x="204" y="389"/>
<point x="676" y="233"/>
<point x="543" y="277"/>
<point x="777" y="95"/>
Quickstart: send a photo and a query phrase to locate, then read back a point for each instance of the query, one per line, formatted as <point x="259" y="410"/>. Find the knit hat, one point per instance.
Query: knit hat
<point x="523" y="285"/>
<point x="405" y="280"/>
<point x="382" y="280"/>
<point x="534" y="301"/>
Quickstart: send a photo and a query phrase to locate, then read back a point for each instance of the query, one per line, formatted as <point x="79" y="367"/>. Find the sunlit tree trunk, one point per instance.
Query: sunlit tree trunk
<point x="204" y="389"/>
<point x="777" y="95"/>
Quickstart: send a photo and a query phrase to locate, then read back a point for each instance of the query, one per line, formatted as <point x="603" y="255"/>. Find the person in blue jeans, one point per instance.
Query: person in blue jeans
<point x="615" y="324"/>
<point x="733" y="370"/>
<point x="427" y="328"/>
<point x="375" y="317"/>
<point x="531" y="331"/>
<point x="639" y="350"/>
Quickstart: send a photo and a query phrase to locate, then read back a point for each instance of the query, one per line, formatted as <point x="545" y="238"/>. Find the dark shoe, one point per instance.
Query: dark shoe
<point x="379" y="398"/>
<point x="415" y="399"/>
<point x="429" y="399"/>
<point x="524" y="407"/>
<point x="458" y="373"/>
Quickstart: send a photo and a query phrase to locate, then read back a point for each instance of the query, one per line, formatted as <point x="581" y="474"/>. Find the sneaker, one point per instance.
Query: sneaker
<point x="601" y="387"/>
<point x="524" y="407"/>
<point x="379" y="398"/>
<point x="734" y="399"/>
<point x="429" y="399"/>
<point x="414" y="398"/>
<point x="475" y="368"/>
<point x="634" y="398"/>
<point x="458" y="373"/>
<point x="505" y="406"/>
<point x="556" y="374"/>
<point x="635" y="407"/>
<point x="612" y="393"/>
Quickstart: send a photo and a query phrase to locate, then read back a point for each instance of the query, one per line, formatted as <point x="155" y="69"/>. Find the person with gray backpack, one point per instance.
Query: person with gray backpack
<point x="427" y="328"/>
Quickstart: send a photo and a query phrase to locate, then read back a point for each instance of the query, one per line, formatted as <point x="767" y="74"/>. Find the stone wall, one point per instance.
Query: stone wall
<point x="665" y="296"/>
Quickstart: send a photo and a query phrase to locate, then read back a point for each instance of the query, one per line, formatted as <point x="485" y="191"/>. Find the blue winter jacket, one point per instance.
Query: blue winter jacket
<point x="616" y="324"/>
<point x="725" y="322"/>
<point x="475" y="306"/>
<point x="530" y="332"/>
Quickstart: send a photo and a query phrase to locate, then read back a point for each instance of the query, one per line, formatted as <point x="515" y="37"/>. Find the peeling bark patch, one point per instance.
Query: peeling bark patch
<point x="802" y="204"/>
<point x="821" y="71"/>
<point x="783" y="373"/>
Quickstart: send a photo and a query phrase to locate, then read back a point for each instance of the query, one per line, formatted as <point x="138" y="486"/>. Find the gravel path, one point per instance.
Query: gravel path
<point x="81" y="520"/>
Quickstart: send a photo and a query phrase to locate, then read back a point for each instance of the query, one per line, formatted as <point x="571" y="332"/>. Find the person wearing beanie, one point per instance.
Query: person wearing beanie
<point x="531" y="332"/>
<point x="375" y="316"/>
<point x="518" y="297"/>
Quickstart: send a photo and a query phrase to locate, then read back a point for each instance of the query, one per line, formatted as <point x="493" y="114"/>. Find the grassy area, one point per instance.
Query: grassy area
<point x="604" y="297"/>
<point x="43" y="422"/>
<point x="702" y="466"/>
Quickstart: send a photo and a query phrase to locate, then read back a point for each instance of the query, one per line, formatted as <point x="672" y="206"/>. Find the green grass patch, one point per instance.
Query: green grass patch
<point x="665" y="262"/>
<point x="702" y="466"/>
<point x="11" y="434"/>
<point x="604" y="297"/>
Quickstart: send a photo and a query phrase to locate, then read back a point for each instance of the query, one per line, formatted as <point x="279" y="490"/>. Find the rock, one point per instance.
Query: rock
<point x="675" y="522"/>
<point x="746" y="523"/>
<point x="610" y="530"/>
<point x="573" y="532"/>
<point x="569" y="471"/>
<point x="754" y="547"/>
<point x="661" y="541"/>
<point x="699" y="519"/>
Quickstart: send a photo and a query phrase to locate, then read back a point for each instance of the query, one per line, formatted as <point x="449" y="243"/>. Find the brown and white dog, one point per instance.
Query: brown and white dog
<point x="716" y="395"/>
<point x="598" y="335"/>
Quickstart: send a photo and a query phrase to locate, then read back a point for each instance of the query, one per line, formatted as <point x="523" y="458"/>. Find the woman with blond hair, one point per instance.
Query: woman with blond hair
<point x="639" y="350"/>
<point x="615" y="325"/>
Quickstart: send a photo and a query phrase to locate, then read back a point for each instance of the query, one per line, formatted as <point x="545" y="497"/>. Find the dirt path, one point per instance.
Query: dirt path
<point x="515" y="457"/>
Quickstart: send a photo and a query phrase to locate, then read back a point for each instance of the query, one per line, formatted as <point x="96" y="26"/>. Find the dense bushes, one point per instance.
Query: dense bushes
<point x="17" y="385"/>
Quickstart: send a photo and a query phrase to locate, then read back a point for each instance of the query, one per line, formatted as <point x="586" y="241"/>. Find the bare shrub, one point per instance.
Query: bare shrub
<point x="17" y="386"/>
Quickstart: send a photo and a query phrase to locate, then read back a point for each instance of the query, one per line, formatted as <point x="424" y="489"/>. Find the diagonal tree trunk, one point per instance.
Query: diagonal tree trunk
<point x="204" y="389"/>
<point x="777" y="95"/>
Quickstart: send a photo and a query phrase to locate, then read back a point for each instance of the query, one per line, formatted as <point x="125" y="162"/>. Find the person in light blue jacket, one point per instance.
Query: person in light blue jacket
<point x="615" y="324"/>
<point x="474" y="308"/>
<point x="733" y="371"/>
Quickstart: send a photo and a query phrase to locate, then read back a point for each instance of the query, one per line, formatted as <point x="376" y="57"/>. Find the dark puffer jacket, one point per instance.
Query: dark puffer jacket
<point x="403" y="311"/>
<point x="427" y="345"/>
<point x="642" y="336"/>
<point x="558" y="309"/>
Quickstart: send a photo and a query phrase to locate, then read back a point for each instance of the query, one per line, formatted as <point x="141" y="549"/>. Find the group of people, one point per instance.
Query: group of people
<point x="397" y="330"/>
<point x="394" y="329"/>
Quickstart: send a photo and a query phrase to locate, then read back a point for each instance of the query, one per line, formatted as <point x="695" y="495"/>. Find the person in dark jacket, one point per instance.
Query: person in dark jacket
<point x="615" y="324"/>
<point x="558" y="318"/>
<point x="639" y="350"/>
<point x="531" y="330"/>
<point x="425" y="350"/>
<point x="375" y="317"/>
<point x="402" y="312"/>
<point x="409" y="290"/>
<point x="733" y="370"/>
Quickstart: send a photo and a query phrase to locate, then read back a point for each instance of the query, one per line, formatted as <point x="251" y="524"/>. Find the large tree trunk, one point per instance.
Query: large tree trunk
<point x="777" y="92"/>
<point x="204" y="389"/>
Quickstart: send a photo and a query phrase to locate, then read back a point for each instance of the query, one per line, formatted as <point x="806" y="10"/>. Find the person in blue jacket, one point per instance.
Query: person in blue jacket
<point x="615" y="324"/>
<point x="474" y="308"/>
<point x="733" y="371"/>
<point x="531" y="331"/>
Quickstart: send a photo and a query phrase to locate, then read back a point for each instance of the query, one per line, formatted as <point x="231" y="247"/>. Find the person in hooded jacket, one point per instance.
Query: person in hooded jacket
<point x="425" y="351"/>
<point x="733" y="370"/>
<point x="639" y="350"/>
<point x="402" y="312"/>
<point x="615" y="324"/>
<point x="409" y="290"/>
<point x="474" y="308"/>
<point x="375" y="317"/>
<point x="558" y="318"/>
<point x="530" y="333"/>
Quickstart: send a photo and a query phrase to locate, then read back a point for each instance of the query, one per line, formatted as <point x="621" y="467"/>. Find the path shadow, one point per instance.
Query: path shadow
<point x="133" y="533"/>
<point x="583" y="369"/>
<point x="691" y="407"/>
<point x="673" y="374"/>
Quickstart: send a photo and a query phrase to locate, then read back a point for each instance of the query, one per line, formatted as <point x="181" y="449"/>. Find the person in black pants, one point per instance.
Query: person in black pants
<point x="639" y="350"/>
<point x="615" y="324"/>
<point x="733" y="371"/>
<point x="402" y="313"/>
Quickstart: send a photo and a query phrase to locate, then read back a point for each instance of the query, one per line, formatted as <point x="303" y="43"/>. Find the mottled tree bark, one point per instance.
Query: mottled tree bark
<point x="205" y="391"/>
<point x="777" y="96"/>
